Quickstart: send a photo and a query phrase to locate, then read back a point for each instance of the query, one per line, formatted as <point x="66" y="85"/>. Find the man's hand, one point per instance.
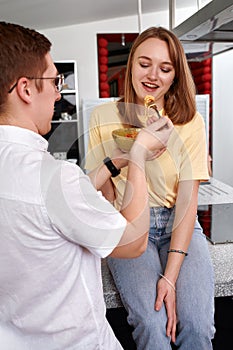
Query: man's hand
<point x="155" y="136"/>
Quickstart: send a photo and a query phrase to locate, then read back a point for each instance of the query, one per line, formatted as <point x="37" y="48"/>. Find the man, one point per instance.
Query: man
<point x="54" y="226"/>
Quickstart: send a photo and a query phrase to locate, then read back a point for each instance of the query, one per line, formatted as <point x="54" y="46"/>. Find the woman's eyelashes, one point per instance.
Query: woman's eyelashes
<point x="166" y="70"/>
<point x="144" y="65"/>
<point x="162" y="69"/>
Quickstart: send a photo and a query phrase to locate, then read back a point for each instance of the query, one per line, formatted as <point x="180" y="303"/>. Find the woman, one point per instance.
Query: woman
<point x="168" y="292"/>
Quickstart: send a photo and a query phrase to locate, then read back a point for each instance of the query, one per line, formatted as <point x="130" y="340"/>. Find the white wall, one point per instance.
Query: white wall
<point x="78" y="42"/>
<point x="223" y="117"/>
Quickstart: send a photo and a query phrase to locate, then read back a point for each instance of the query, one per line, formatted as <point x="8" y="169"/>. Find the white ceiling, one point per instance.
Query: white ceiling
<point x="42" y="14"/>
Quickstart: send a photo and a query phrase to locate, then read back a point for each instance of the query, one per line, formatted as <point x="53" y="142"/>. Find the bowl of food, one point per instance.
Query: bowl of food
<point x="125" y="137"/>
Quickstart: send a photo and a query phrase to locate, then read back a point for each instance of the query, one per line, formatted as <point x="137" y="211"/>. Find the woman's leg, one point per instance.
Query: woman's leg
<point x="136" y="280"/>
<point x="195" y="295"/>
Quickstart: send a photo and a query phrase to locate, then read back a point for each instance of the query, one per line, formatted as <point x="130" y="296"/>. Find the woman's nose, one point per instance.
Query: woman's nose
<point x="153" y="73"/>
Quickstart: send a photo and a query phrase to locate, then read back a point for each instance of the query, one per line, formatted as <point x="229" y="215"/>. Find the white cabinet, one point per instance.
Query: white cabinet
<point x="86" y="109"/>
<point x="64" y="135"/>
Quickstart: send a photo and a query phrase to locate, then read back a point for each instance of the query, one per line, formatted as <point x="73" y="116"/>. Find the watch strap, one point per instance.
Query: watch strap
<point x="111" y="167"/>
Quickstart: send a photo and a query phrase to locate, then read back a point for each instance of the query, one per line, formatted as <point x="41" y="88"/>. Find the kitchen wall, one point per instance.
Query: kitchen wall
<point x="78" y="42"/>
<point x="222" y="83"/>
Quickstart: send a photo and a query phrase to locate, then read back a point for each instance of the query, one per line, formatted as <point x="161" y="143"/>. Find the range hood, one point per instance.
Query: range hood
<point x="208" y="32"/>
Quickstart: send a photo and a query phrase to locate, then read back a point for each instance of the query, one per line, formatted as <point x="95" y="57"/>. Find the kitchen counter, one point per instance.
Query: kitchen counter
<point x="222" y="257"/>
<point x="215" y="192"/>
<point x="222" y="254"/>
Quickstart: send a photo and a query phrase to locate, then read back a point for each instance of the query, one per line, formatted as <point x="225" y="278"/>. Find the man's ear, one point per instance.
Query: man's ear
<point x="24" y="89"/>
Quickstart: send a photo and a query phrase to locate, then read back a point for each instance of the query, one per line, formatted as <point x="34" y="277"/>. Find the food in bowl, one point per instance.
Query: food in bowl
<point x="125" y="137"/>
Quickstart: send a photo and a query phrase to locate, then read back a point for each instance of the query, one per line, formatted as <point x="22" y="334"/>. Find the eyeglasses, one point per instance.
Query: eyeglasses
<point x="58" y="82"/>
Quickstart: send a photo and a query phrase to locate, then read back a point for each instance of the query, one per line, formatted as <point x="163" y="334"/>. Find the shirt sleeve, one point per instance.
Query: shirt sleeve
<point x="80" y="213"/>
<point x="194" y="152"/>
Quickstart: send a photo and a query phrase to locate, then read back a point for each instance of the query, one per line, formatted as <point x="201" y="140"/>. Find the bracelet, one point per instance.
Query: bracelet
<point x="168" y="281"/>
<point x="177" y="251"/>
<point x="111" y="167"/>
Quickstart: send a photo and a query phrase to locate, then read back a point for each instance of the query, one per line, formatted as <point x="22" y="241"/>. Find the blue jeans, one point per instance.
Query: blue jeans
<point x="136" y="280"/>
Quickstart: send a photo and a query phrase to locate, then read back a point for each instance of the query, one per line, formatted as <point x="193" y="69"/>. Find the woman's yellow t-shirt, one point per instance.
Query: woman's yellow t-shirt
<point x="184" y="159"/>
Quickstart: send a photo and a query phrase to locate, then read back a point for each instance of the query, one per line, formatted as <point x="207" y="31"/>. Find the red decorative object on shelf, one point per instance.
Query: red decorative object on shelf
<point x="103" y="67"/>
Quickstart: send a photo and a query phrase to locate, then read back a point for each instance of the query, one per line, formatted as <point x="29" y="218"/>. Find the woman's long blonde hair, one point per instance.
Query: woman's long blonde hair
<point x="180" y="105"/>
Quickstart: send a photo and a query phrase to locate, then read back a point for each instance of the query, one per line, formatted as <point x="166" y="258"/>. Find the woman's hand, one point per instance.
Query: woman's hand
<point x="167" y="295"/>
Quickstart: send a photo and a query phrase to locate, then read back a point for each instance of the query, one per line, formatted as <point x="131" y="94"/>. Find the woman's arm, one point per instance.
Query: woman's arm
<point x="185" y="216"/>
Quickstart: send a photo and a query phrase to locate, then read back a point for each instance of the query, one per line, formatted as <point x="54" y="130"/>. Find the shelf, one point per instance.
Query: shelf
<point x="64" y="134"/>
<point x="65" y="121"/>
<point x="68" y="91"/>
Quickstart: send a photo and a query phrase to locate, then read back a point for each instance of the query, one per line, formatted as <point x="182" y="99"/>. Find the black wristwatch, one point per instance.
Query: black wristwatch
<point x="111" y="167"/>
